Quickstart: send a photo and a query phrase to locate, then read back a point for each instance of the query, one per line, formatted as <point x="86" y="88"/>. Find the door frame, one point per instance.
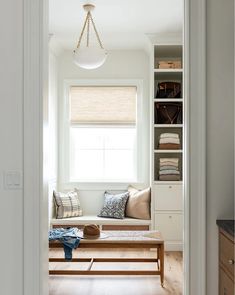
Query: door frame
<point x="35" y="77"/>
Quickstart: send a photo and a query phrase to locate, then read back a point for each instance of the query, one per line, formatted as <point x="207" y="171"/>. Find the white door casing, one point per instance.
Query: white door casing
<point x="35" y="268"/>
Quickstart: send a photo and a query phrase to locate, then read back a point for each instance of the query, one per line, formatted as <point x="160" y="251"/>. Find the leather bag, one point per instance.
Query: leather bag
<point x="168" y="90"/>
<point x="168" y="113"/>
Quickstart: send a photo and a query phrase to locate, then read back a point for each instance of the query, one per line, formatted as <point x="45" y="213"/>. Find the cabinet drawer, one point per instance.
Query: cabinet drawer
<point x="226" y="253"/>
<point x="170" y="225"/>
<point x="168" y="197"/>
<point x="226" y="285"/>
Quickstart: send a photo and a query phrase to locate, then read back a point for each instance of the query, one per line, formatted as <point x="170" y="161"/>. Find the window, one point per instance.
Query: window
<point x="102" y="133"/>
<point x="102" y="153"/>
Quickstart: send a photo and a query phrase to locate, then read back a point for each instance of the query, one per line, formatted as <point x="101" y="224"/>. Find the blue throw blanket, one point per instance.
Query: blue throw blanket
<point x="68" y="237"/>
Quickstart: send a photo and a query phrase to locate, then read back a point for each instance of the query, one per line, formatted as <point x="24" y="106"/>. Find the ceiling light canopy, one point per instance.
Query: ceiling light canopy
<point x="89" y="57"/>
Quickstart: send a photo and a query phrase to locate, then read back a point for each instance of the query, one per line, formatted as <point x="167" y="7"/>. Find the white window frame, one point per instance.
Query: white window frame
<point x="64" y="124"/>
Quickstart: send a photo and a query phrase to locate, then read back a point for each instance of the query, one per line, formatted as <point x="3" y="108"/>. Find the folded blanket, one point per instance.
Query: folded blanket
<point x="169" y="177"/>
<point x="175" y="161"/>
<point x="168" y="167"/>
<point x="68" y="237"/>
<point x="169" y="140"/>
<point x="169" y="172"/>
<point x="171" y="135"/>
<point x="174" y="166"/>
<point x="169" y="146"/>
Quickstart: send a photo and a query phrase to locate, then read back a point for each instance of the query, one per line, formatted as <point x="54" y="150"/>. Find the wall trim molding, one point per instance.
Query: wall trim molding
<point x="32" y="150"/>
<point x="195" y="146"/>
<point x="35" y="77"/>
<point x="35" y="267"/>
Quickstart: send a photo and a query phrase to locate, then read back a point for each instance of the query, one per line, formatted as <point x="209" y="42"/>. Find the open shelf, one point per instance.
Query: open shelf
<point x="157" y="157"/>
<point x="167" y="53"/>
<point x="158" y="131"/>
<point x="169" y="75"/>
<point x="163" y="76"/>
<point x="168" y="99"/>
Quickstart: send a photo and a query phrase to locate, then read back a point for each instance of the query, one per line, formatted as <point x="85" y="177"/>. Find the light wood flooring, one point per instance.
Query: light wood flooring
<point x="117" y="285"/>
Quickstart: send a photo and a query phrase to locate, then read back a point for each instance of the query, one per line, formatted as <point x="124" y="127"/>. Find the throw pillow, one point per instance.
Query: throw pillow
<point x="114" y="205"/>
<point x="138" y="205"/>
<point x="67" y="204"/>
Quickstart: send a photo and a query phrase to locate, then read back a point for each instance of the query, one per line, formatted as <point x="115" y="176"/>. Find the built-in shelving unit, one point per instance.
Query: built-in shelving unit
<point x="167" y="194"/>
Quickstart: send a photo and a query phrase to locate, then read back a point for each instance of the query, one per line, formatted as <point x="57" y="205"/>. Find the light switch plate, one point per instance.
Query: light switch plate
<point x="13" y="180"/>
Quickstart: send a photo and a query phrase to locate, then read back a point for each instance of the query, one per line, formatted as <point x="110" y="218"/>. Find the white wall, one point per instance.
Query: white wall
<point x="52" y="143"/>
<point x="11" y="146"/>
<point x="121" y="64"/>
<point x="220" y="127"/>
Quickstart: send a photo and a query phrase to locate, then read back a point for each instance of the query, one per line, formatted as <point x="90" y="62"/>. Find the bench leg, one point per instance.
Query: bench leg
<point x="161" y="256"/>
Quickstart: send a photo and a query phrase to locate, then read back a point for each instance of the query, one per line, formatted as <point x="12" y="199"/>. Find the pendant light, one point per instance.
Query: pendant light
<point x="89" y="57"/>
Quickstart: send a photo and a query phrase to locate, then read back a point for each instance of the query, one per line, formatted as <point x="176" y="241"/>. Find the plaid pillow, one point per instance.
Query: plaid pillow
<point x="67" y="204"/>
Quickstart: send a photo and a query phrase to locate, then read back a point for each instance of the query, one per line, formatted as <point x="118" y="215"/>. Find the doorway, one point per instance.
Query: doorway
<point x="39" y="221"/>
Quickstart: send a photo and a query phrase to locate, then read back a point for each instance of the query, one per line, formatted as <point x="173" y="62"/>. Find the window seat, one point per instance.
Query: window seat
<point x="104" y="223"/>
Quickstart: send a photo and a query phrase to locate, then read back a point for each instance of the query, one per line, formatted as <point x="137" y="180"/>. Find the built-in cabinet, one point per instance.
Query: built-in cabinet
<point x="167" y="125"/>
<point x="226" y="257"/>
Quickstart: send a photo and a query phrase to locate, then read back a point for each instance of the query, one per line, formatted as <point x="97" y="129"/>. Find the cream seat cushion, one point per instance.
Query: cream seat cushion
<point x="138" y="204"/>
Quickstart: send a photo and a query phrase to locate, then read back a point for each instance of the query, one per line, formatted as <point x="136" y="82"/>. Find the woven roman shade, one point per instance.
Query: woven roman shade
<point x="103" y="105"/>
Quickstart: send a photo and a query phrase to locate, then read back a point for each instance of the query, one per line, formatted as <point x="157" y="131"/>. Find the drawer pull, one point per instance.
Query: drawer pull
<point x="170" y="216"/>
<point x="231" y="261"/>
<point x="170" y="186"/>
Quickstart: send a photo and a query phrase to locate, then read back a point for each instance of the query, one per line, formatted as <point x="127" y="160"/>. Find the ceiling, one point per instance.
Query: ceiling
<point x="122" y="24"/>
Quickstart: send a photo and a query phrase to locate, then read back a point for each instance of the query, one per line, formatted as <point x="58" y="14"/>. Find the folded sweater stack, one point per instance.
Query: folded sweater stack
<point x="169" y="169"/>
<point x="169" y="141"/>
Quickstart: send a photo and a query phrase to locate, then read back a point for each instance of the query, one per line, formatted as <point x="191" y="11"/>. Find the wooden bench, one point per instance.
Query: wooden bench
<point x="122" y="240"/>
<point x="104" y="223"/>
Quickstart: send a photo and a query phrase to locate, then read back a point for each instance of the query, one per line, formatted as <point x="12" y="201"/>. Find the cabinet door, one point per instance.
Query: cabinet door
<point x="170" y="225"/>
<point x="226" y="253"/>
<point x="226" y="285"/>
<point x="168" y="197"/>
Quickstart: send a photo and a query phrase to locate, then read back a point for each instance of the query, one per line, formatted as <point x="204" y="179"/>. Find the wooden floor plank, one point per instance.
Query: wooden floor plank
<point x="116" y="285"/>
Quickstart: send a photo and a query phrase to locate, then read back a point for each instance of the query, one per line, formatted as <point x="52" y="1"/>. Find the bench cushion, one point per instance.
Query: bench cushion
<point x="99" y="220"/>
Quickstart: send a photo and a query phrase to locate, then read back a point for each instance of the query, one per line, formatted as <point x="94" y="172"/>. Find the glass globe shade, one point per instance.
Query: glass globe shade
<point x="89" y="57"/>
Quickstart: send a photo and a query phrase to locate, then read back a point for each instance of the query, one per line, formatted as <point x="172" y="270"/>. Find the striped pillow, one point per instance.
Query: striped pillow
<point x="67" y="204"/>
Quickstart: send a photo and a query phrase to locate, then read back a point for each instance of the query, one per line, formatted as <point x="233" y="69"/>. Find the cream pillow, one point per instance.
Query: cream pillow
<point x="67" y="204"/>
<point x="138" y="204"/>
